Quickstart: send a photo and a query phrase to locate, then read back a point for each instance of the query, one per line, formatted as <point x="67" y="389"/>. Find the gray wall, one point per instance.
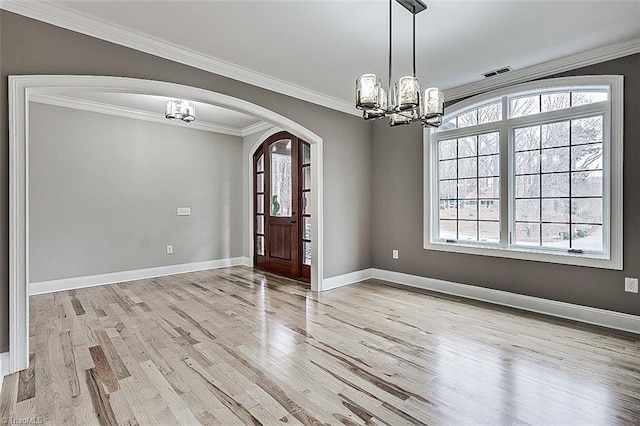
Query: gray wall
<point x="31" y="47"/>
<point x="397" y="220"/>
<point x="104" y="191"/>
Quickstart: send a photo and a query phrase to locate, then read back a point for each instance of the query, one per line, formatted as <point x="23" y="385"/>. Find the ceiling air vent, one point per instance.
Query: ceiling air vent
<point x="496" y="72"/>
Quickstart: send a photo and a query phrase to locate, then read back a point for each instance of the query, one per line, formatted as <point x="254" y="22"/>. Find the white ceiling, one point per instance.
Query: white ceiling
<point x="151" y="108"/>
<point x="322" y="46"/>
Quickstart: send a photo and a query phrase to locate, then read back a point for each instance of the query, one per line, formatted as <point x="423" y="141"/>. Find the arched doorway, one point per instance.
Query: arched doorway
<point x="21" y="89"/>
<point x="282" y="206"/>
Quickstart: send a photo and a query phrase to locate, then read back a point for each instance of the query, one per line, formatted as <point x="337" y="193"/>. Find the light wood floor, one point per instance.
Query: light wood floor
<point x="236" y="346"/>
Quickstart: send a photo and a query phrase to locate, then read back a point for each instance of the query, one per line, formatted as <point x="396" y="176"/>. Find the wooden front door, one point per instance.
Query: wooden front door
<point x="282" y="214"/>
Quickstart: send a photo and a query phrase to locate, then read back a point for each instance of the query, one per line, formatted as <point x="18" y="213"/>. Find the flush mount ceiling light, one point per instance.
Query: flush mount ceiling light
<point x="407" y="103"/>
<point x="180" y="110"/>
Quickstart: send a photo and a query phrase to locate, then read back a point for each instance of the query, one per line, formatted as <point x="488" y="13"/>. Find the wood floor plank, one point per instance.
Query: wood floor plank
<point x="103" y="368"/>
<point x="240" y="346"/>
<point x="27" y="380"/>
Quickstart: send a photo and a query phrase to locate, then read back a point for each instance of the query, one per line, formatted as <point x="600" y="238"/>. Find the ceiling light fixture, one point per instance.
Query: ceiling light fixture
<point x="180" y="110"/>
<point x="408" y="103"/>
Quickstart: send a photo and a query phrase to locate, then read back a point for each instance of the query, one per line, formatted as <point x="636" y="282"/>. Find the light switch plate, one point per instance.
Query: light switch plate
<point x="184" y="211"/>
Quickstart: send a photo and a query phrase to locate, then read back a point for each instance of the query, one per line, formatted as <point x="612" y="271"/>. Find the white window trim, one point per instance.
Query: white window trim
<point x="613" y="180"/>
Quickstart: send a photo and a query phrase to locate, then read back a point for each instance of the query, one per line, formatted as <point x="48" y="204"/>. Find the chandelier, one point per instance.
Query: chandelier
<point x="407" y="103"/>
<point x="180" y="110"/>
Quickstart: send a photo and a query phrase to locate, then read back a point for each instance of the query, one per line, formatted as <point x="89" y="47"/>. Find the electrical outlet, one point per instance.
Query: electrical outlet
<point x="395" y="254"/>
<point x="631" y="285"/>
<point x="169" y="249"/>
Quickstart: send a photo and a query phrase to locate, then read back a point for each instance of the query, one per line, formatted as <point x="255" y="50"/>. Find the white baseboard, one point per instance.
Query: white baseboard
<point x="4" y="366"/>
<point x="346" y="279"/>
<point x="138" y="274"/>
<point x="601" y="317"/>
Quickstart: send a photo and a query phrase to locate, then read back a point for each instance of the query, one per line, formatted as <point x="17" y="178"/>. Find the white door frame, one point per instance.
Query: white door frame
<point x="21" y="88"/>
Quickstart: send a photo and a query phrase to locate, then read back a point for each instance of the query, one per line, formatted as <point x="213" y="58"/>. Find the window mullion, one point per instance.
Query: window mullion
<point x="506" y="181"/>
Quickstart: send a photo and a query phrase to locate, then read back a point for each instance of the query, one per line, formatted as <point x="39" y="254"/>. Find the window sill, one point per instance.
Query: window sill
<point x="574" y="259"/>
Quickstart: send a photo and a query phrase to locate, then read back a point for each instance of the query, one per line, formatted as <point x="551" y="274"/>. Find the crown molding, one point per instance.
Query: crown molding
<point x="59" y="16"/>
<point x="546" y="69"/>
<point x="261" y="126"/>
<point x="102" y="108"/>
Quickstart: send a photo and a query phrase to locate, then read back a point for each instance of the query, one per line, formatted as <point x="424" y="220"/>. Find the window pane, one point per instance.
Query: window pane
<point x="555" y="160"/>
<point x="467" y="167"/>
<point x="586" y="130"/>
<point x="528" y="210"/>
<point x="260" y="203"/>
<point x="527" y="186"/>
<point x="467" y="189"/>
<point x="448" y="190"/>
<point x="306" y="177"/>
<point x="528" y="233"/>
<point x="468" y="209"/>
<point x="555" y="210"/>
<point x="449" y="124"/>
<point x="489" y="231"/>
<point x="555" y="101"/>
<point x="468" y="230"/>
<point x="449" y="209"/>
<point x="555" y="185"/>
<point x="586" y="184"/>
<point x="306" y="203"/>
<point x="280" y="152"/>
<point x="583" y="98"/>
<point x="490" y="113"/>
<point x="527" y="138"/>
<point x="587" y="237"/>
<point x="260" y="164"/>
<point x="586" y="157"/>
<point x="448" y="229"/>
<point x="527" y="162"/>
<point x="555" y="235"/>
<point x="306" y="231"/>
<point x="260" y="245"/>
<point x="448" y="169"/>
<point x="489" y="143"/>
<point x="306" y="154"/>
<point x="467" y="147"/>
<point x="489" y="210"/>
<point x="489" y="187"/>
<point x="526" y="105"/>
<point x="468" y="119"/>
<point x="260" y="182"/>
<point x="587" y="210"/>
<point x="260" y="224"/>
<point x="555" y="134"/>
<point x="306" y="256"/>
<point x="447" y="149"/>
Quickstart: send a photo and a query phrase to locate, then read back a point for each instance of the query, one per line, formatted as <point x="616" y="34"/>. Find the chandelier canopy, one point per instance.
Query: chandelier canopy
<point x="407" y="103"/>
<point x="180" y="110"/>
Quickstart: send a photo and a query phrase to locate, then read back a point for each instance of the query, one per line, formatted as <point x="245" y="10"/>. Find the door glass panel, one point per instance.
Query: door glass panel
<point x="306" y="154"/>
<point x="306" y="178"/>
<point x="260" y="245"/>
<point x="306" y="203"/>
<point x="260" y="182"/>
<point x="281" y="199"/>
<point x="260" y="164"/>
<point x="260" y="204"/>
<point x="306" y="255"/>
<point x="260" y="224"/>
<point x="306" y="232"/>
